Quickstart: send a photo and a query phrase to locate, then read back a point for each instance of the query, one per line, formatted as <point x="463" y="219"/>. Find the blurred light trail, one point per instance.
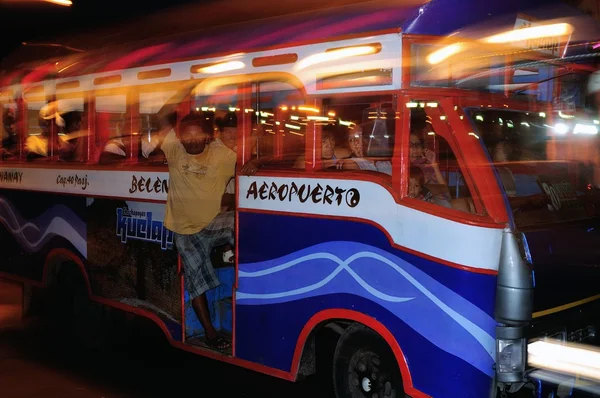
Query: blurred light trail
<point x="569" y="358"/>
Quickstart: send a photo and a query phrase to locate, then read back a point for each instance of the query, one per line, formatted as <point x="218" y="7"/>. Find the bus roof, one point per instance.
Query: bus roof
<point x="232" y="26"/>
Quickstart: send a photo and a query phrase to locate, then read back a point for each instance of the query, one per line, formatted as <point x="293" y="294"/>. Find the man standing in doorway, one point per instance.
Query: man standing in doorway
<point x="199" y="170"/>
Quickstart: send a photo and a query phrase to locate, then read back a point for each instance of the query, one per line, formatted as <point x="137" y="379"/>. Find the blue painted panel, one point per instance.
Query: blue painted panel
<point x="219" y="305"/>
<point x="310" y="265"/>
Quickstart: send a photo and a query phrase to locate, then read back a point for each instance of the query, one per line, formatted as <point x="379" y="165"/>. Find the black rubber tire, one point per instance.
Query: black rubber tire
<point x="363" y="359"/>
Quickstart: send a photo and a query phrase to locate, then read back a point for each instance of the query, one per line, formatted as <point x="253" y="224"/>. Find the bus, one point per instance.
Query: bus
<point x="410" y="199"/>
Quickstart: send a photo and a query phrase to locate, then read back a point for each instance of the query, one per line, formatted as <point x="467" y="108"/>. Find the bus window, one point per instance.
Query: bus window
<point x="39" y="128"/>
<point x="150" y="103"/>
<point x="111" y="135"/>
<point x="218" y="106"/>
<point x="71" y="140"/>
<point x="358" y="133"/>
<point x="435" y="174"/>
<point x="9" y="149"/>
<point x="279" y="123"/>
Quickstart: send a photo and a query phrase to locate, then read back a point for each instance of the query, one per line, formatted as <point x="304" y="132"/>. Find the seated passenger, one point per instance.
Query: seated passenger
<point x="418" y="190"/>
<point x="10" y="140"/>
<point x="329" y="157"/>
<point x="425" y="160"/>
<point x="69" y="141"/>
<point x="36" y="146"/>
<point x="115" y="149"/>
<point x="357" y="161"/>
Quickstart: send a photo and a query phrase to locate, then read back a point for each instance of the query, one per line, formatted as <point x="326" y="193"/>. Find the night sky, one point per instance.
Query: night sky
<point x="40" y="22"/>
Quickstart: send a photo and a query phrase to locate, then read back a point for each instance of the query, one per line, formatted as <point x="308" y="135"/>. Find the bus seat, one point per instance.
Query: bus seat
<point x="464" y="204"/>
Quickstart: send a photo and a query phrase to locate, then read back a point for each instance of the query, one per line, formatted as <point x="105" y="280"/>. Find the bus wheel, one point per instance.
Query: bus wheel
<point x="364" y="366"/>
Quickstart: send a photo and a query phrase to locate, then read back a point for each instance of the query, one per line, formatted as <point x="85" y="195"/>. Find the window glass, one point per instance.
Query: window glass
<point x="358" y="133"/>
<point x="111" y="134"/>
<point x="218" y="105"/>
<point x="39" y="127"/>
<point x="435" y="174"/>
<point x="150" y="104"/>
<point x="545" y="165"/>
<point x="71" y="129"/>
<point x="279" y="123"/>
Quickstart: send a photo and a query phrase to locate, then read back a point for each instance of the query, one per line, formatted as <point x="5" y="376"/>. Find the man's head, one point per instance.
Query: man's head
<point x="327" y="143"/>
<point x="194" y="134"/>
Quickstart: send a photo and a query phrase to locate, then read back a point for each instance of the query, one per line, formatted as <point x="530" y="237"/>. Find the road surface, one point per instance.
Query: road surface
<point x="36" y="361"/>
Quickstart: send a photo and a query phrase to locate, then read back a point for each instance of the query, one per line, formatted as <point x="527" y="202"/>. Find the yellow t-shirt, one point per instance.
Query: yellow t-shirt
<point x="196" y="184"/>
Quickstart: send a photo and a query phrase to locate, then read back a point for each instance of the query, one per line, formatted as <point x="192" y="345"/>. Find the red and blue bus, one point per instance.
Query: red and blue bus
<point x="429" y="297"/>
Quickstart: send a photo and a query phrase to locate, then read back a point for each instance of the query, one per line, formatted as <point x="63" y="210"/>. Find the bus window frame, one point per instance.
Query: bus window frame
<point x="448" y="132"/>
<point x="485" y="195"/>
<point x="18" y="125"/>
<point x="488" y="181"/>
<point x="134" y="122"/>
<point x="316" y="130"/>
<point x="97" y="148"/>
<point x="245" y="86"/>
<point x="46" y="98"/>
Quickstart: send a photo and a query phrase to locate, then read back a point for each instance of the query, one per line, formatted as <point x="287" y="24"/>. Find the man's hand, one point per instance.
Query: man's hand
<point x="430" y="156"/>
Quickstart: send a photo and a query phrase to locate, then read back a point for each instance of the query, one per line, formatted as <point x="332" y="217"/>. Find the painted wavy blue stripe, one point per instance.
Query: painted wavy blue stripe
<point x="436" y="312"/>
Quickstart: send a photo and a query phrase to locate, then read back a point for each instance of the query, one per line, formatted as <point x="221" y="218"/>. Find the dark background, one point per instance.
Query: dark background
<point x="36" y="21"/>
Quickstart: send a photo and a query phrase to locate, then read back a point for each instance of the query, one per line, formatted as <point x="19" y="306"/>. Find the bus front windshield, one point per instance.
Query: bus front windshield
<point x="548" y="169"/>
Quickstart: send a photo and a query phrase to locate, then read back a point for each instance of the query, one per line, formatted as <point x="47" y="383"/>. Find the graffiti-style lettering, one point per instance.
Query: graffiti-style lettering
<point x="138" y="225"/>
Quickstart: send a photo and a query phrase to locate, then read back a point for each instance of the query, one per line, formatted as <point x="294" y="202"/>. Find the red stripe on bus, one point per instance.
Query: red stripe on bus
<point x="308" y="327"/>
<point x="366" y="320"/>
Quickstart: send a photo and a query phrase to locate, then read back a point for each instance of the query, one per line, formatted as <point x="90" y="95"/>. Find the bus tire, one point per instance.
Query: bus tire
<point x="364" y="366"/>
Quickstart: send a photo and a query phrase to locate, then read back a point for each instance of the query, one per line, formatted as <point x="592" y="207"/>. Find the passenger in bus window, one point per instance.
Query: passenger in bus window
<point x="36" y="146"/>
<point x="115" y="150"/>
<point x="425" y="159"/>
<point x="70" y="138"/>
<point x="9" y="135"/>
<point x="330" y="155"/>
<point x="357" y="160"/>
<point x="418" y="190"/>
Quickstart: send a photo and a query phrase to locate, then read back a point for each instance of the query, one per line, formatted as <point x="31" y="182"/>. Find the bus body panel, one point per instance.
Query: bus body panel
<point x="292" y="266"/>
<point x="126" y="252"/>
<point x="32" y="225"/>
<point x="131" y="258"/>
